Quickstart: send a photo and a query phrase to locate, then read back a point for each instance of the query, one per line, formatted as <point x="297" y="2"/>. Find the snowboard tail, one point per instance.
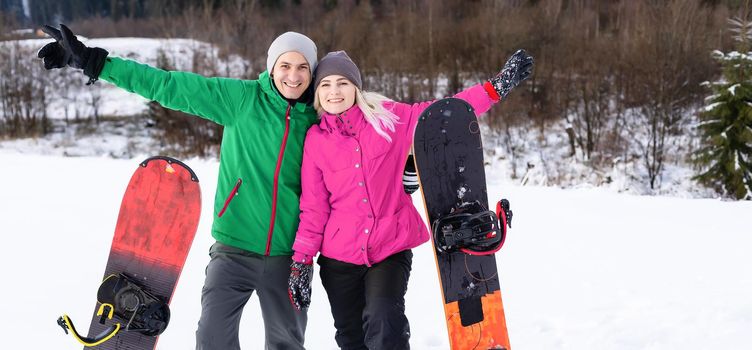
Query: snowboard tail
<point x="449" y="158"/>
<point x="156" y="225"/>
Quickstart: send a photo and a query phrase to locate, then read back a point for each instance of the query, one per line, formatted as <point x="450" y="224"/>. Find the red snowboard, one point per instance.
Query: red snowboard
<point x="158" y="219"/>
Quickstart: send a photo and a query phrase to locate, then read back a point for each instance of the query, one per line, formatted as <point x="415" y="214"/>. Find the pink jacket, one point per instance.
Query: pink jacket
<point x="353" y="207"/>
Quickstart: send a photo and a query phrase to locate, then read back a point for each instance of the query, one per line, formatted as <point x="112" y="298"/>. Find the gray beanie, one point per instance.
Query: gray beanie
<point x="291" y="41"/>
<point x="338" y="63"/>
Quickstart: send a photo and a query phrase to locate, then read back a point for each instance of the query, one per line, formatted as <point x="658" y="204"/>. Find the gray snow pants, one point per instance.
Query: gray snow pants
<point x="232" y="275"/>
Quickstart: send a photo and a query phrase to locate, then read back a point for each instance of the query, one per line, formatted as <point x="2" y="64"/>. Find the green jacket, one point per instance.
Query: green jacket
<point x="256" y="206"/>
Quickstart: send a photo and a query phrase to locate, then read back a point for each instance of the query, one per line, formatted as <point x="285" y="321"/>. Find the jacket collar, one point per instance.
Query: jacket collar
<point x="348" y="123"/>
<point x="267" y="86"/>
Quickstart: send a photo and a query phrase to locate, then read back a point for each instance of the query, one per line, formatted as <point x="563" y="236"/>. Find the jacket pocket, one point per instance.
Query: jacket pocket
<point x="338" y="162"/>
<point x="401" y="235"/>
<point x="331" y="232"/>
<point x="377" y="158"/>
<point x="328" y="244"/>
<point x="377" y="151"/>
<point x="230" y="197"/>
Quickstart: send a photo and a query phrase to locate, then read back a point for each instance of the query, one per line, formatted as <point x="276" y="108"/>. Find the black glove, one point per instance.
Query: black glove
<point x="410" y="176"/>
<point x="299" y="284"/>
<point x="67" y="50"/>
<point x="518" y="68"/>
<point x="503" y="205"/>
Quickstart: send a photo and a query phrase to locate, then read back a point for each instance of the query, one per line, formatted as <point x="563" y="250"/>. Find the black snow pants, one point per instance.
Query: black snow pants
<point x="368" y="303"/>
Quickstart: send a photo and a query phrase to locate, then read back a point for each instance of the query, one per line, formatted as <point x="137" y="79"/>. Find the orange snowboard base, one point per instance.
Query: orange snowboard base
<point x="491" y="333"/>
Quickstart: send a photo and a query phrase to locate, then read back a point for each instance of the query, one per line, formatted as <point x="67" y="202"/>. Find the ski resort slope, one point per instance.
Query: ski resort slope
<point x="581" y="269"/>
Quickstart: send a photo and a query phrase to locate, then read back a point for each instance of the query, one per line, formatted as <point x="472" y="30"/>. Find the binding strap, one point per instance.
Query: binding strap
<point x="66" y="323"/>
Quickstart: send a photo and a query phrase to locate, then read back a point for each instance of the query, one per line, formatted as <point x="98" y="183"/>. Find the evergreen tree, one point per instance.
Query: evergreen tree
<point x="725" y="156"/>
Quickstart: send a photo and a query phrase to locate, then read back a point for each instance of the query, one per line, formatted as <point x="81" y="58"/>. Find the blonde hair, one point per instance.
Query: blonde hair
<point x="372" y="106"/>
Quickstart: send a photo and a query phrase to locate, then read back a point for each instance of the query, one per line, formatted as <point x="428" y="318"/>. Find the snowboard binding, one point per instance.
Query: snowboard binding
<point x="122" y="297"/>
<point x="472" y="229"/>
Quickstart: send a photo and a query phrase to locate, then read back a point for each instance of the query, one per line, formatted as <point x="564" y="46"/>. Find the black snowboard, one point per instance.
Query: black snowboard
<point x="449" y="158"/>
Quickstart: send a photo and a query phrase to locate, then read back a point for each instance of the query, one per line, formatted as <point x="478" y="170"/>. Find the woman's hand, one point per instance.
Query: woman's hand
<point x="299" y="284"/>
<point x="517" y="69"/>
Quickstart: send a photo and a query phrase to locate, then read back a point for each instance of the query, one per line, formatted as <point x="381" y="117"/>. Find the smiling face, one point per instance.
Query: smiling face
<point x="336" y="94"/>
<point x="292" y="75"/>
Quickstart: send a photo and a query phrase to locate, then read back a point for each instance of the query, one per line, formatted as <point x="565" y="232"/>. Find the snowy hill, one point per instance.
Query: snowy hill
<point x="543" y="161"/>
<point x="121" y="133"/>
<point x="581" y="269"/>
<point x="74" y="98"/>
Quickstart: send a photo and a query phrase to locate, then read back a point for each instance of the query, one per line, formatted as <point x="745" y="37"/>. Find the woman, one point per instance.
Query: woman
<point x="353" y="209"/>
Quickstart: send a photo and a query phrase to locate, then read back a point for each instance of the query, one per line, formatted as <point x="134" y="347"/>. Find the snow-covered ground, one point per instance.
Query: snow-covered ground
<point x="584" y="268"/>
<point x="581" y="269"/>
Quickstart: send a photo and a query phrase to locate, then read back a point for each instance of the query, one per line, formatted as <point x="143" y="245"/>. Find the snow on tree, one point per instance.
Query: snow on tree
<point x="725" y="155"/>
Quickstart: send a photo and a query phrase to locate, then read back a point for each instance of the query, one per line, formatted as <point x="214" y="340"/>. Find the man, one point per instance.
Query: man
<point x="256" y="203"/>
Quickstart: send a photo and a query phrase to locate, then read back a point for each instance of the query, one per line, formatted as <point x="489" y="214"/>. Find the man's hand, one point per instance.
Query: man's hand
<point x="410" y="176"/>
<point x="54" y="55"/>
<point x="67" y="50"/>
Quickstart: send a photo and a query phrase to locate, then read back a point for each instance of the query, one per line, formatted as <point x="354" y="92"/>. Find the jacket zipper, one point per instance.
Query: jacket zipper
<point x="230" y="197"/>
<point x="276" y="180"/>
